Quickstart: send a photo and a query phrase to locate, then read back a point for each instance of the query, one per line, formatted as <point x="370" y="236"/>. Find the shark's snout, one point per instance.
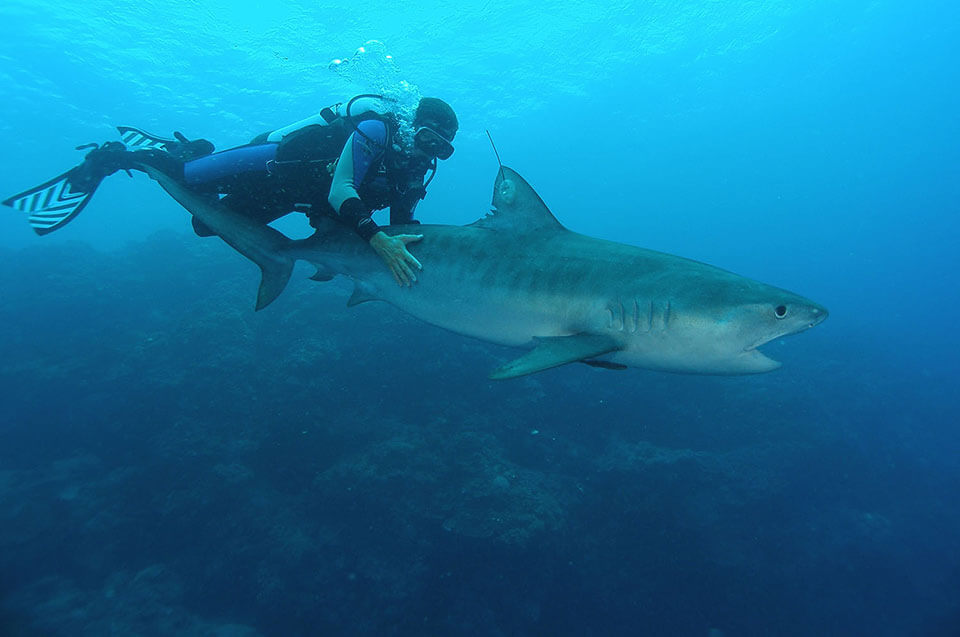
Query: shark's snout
<point x="809" y="316"/>
<point x="818" y="314"/>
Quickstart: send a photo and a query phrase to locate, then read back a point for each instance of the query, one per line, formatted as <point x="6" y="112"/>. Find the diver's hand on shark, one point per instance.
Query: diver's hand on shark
<point x="393" y="251"/>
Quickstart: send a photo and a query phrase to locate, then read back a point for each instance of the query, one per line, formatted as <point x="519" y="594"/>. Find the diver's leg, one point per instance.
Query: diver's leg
<point x="231" y="169"/>
<point x="107" y="159"/>
<point x="222" y="172"/>
<point x="240" y="173"/>
<point x="243" y="175"/>
<point x="52" y="204"/>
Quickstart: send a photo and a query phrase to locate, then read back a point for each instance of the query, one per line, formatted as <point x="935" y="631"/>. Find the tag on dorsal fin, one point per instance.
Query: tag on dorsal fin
<point x="517" y="207"/>
<point x="554" y="351"/>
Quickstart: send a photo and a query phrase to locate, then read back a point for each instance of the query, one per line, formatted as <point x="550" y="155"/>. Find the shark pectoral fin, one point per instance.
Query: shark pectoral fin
<point x="554" y="351"/>
<point x="603" y="364"/>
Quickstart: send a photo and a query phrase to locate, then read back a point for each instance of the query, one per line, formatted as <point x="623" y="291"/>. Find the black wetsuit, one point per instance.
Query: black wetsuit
<point x="267" y="180"/>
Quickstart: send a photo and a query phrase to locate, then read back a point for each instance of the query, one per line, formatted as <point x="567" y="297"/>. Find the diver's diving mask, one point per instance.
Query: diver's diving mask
<point x="433" y="143"/>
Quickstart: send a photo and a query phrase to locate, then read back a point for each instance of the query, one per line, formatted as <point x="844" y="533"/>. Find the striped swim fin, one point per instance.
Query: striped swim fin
<point x="54" y="203"/>
<point x="51" y="204"/>
<point x="137" y="139"/>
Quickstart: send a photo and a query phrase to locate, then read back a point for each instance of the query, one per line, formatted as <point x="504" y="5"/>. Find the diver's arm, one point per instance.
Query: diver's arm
<point x="392" y="249"/>
<point x="344" y="198"/>
<point x="355" y="160"/>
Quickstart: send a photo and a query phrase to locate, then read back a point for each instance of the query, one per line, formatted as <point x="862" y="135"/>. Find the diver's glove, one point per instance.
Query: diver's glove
<point x="99" y="163"/>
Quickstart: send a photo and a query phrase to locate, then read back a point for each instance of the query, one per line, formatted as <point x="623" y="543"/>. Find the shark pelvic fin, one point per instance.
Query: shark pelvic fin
<point x="554" y="351"/>
<point x="359" y="296"/>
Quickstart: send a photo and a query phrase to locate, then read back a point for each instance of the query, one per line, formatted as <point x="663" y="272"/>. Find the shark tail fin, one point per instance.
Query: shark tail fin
<point x="260" y="243"/>
<point x="274" y="277"/>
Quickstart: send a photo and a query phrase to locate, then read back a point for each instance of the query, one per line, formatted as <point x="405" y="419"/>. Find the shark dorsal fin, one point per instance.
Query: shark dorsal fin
<point x="517" y="206"/>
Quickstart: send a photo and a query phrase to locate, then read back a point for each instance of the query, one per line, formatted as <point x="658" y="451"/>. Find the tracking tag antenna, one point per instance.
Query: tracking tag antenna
<point x="490" y="137"/>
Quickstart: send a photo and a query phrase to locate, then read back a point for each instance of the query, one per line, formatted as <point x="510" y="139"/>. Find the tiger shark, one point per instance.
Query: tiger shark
<point x="518" y="277"/>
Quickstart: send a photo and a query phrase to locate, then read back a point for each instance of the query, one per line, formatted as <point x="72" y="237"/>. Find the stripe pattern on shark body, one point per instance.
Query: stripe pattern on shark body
<point x="518" y="277"/>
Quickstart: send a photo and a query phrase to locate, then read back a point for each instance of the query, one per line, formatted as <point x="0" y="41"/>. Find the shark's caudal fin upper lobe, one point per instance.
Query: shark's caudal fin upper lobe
<point x="260" y="243"/>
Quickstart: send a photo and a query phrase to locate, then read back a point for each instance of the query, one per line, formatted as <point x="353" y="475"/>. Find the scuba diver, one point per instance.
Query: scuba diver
<point x="345" y="162"/>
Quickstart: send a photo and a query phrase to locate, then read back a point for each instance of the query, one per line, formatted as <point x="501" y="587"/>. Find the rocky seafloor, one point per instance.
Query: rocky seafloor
<point x="173" y="463"/>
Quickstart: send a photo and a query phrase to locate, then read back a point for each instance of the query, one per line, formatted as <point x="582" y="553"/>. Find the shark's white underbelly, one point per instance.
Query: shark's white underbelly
<point x="497" y="316"/>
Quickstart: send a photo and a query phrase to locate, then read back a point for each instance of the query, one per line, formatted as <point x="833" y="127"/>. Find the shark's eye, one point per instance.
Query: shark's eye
<point x="780" y="311"/>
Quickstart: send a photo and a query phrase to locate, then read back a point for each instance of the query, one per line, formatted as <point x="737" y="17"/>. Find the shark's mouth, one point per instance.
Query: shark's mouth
<point x="763" y="341"/>
<point x="816" y="320"/>
<point x="759" y="361"/>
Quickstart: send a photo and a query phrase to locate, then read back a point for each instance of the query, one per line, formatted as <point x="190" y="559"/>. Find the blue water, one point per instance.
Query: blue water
<point x="172" y="463"/>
